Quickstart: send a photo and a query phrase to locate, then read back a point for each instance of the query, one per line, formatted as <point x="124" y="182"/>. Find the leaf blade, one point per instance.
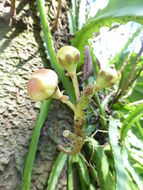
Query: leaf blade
<point x="57" y="168"/>
<point x="33" y="144"/>
<point x="121" y="178"/>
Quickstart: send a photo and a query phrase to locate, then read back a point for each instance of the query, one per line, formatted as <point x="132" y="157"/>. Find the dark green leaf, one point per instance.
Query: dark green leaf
<point x="56" y="171"/>
<point x="70" y="174"/>
<point x="100" y="159"/>
<point x="83" y="169"/>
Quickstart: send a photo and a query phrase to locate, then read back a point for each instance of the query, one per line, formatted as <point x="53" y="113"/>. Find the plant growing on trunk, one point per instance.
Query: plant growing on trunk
<point x="110" y="159"/>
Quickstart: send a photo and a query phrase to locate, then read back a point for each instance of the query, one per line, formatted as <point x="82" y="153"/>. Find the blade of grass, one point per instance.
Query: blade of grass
<point x="57" y="169"/>
<point x="33" y="144"/>
<point x="51" y="53"/>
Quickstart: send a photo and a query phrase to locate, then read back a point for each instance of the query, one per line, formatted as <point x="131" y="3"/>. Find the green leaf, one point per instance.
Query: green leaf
<point x="83" y="169"/>
<point x="128" y="122"/>
<point x="70" y="174"/>
<point x="120" y="11"/>
<point x="137" y="93"/>
<point x="91" y="187"/>
<point x="131" y="170"/>
<point x="56" y="171"/>
<point x="121" y="178"/>
<point x="33" y="144"/>
<point x="51" y="53"/>
<point x="130" y="184"/>
<point x="122" y="8"/>
<point x="99" y="158"/>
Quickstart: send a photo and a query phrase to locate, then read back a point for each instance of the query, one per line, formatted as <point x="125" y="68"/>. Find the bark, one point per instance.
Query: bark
<point x="21" y="53"/>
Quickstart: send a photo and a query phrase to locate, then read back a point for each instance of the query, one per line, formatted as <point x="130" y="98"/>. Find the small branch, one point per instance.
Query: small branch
<point x="68" y="103"/>
<point x="76" y="149"/>
<point x="12" y="12"/>
<point x="54" y="26"/>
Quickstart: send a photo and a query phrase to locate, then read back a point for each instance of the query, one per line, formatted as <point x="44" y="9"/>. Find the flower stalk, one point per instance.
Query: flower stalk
<point x="75" y="85"/>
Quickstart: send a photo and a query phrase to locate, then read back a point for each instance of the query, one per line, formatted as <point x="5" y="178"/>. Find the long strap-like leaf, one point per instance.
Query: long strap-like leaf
<point x="121" y="179"/>
<point x="57" y="169"/>
<point x="100" y="160"/>
<point x="51" y="53"/>
<point x="33" y="144"/>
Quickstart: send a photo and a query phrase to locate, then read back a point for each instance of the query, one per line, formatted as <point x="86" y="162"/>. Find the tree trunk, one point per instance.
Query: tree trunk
<point x="21" y="53"/>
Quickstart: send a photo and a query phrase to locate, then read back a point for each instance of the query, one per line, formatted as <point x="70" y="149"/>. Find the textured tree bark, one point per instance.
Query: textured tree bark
<point x="21" y="53"/>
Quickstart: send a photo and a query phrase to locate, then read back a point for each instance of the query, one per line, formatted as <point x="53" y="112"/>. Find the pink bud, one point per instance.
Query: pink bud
<point x="68" y="57"/>
<point x="42" y="84"/>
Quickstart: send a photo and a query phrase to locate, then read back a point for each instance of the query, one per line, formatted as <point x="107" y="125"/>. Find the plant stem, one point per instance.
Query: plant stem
<point x="68" y="103"/>
<point x="102" y="111"/>
<point x="63" y="98"/>
<point x="76" y="86"/>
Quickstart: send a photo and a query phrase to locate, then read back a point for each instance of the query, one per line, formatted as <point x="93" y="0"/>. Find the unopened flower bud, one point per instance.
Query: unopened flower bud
<point x="68" y="57"/>
<point x="106" y="77"/>
<point x="42" y="84"/>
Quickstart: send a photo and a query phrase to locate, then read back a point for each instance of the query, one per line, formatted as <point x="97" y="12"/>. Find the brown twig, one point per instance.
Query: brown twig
<point x="54" y="26"/>
<point x="12" y="12"/>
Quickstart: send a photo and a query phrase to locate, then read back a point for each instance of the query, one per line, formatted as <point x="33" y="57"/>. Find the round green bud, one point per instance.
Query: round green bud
<point x="68" y="57"/>
<point x="42" y="85"/>
<point x="106" y="77"/>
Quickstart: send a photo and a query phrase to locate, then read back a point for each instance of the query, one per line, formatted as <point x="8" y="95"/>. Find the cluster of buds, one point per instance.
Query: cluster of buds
<point x="43" y="85"/>
<point x="44" y="82"/>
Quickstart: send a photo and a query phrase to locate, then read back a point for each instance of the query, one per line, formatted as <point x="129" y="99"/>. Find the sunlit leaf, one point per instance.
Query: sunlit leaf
<point x="135" y="176"/>
<point x="120" y="172"/>
<point x="116" y="11"/>
<point x="128" y="122"/>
